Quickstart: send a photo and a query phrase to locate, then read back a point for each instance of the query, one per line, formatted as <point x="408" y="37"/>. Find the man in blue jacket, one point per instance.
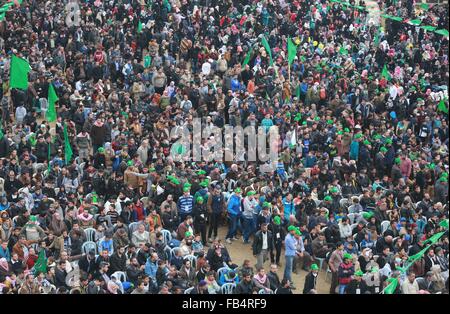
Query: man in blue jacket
<point x="288" y="207"/>
<point x="234" y="212"/>
<point x="290" y="243"/>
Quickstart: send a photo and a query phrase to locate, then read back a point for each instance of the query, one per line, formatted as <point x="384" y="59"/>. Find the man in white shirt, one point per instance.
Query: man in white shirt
<point x="410" y="285"/>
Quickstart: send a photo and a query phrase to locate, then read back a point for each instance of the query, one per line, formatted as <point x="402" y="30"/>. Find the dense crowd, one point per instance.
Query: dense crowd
<point x="360" y="187"/>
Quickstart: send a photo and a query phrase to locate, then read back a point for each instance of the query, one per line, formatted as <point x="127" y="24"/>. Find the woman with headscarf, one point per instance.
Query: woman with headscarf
<point x="4" y="267"/>
<point x="57" y="224"/>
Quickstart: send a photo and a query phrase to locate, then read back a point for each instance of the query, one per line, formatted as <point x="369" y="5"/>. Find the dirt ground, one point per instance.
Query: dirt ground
<point x="239" y="252"/>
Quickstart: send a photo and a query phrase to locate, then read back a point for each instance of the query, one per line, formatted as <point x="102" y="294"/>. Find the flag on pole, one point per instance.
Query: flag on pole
<point x="292" y="51"/>
<point x="18" y="77"/>
<point x="442" y="107"/>
<point x="67" y="148"/>
<point x="442" y="32"/>
<point x="266" y="45"/>
<point x="50" y="115"/>
<point x="247" y="58"/>
<point x="390" y="288"/>
<point x="385" y="73"/>
<point x="41" y="263"/>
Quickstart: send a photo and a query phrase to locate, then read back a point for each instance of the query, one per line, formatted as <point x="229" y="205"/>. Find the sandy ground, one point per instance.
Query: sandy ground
<point x="239" y="252"/>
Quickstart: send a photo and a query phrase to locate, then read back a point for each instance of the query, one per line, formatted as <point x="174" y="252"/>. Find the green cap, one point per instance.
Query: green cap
<point x="397" y="160"/>
<point x="444" y="175"/>
<point x="359" y="273"/>
<point x="291" y="228"/>
<point x="288" y="114"/>
<point x="330" y="122"/>
<point x="357" y="136"/>
<point x="366" y="142"/>
<point x="130" y="163"/>
<point x="298" y="116"/>
<point x="250" y="193"/>
<point x="377" y="137"/>
<point x="328" y="198"/>
<point x="201" y="171"/>
<point x="340" y="132"/>
<point x="267" y="204"/>
<point x="298" y="232"/>
<point x="187" y="184"/>
<point x="348" y="256"/>
<point x="173" y="180"/>
<point x="204" y="183"/>
<point x="316" y="118"/>
<point x="187" y="234"/>
<point x="304" y="123"/>
<point x="383" y="149"/>
<point x="152" y="169"/>
<point x="237" y="190"/>
<point x="314" y="267"/>
<point x="443" y="179"/>
<point x="277" y="220"/>
<point x="33" y="218"/>
<point x="334" y="190"/>
<point x="367" y="215"/>
<point x="347" y="130"/>
<point x="186" y="189"/>
<point x="200" y="199"/>
<point x="388" y="141"/>
<point x="101" y="150"/>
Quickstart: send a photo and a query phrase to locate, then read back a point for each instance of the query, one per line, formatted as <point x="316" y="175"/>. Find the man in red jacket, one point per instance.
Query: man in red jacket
<point x="345" y="272"/>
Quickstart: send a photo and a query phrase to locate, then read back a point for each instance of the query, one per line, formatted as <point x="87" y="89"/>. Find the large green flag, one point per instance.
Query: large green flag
<point x="67" y="149"/>
<point x="50" y="115"/>
<point x="442" y="107"/>
<point x="18" y="77"/>
<point x="266" y="45"/>
<point x="292" y="51"/>
<point x="385" y="73"/>
<point x="247" y="58"/>
<point x="434" y="238"/>
<point x="41" y="263"/>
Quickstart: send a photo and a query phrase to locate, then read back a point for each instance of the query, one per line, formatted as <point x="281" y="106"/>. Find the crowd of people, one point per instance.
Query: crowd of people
<point x="360" y="186"/>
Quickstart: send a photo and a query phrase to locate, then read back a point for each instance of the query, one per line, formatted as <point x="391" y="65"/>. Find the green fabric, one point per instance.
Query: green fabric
<point x="444" y="224"/>
<point x="415" y="22"/>
<point x="147" y="61"/>
<point x="348" y="256"/>
<point x="18" y="77"/>
<point x="277" y="220"/>
<point x="267" y="204"/>
<point x="343" y="51"/>
<point x="328" y="198"/>
<point x="385" y="73"/>
<point x="187" y="234"/>
<point x="200" y="199"/>
<point x="201" y="172"/>
<point x="347" y="130"/>
<point x="390" y="289"/>
<point x="442" y="107"/>
<point x="237" y="190"/>
<point x="67" y="149"/>
<point x="52" y="99"/>
<point x="247" y="58"/>
<point x="250" y="193"/>
<point x="314" y="267"/>
<point x="186" y="189"/>
<point x="359" y="273"/>
<point x="428" y="28"/>
<point x="41" y="263"/>
<point x="139" y="27"/>
<point x="442" y="32"/>
<point x="383" y="149"/>
<point x="334" y="190"/>
<point x="130" y="163"/>
<point x="101" y="150"/>
<point x="204" y="183"/>
<point x="267" y="47"/>
<point x="358" y="136"/>
<point x="292" y="51"/>
<point x="367" y="215"/>
<point x="366" y="142"/>
<point x="398" y="160"/>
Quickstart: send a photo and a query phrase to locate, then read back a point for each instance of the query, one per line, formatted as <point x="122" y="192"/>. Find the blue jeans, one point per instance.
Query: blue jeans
<point x="342" y="289"/>
<point x="247" y="224"/>
<point x="232" y="228"/>
<point x="288" y="267"/>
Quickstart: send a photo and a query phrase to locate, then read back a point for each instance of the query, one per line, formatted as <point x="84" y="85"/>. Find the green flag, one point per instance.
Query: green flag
<point x="442" y="32"/>
<point x="425" y="6"/>
<point x="50" y="115"/>
<point x="67" y="148"/>
<point x="394" y="18"/>
<point x="390" y="288"/>
<point x="139" y="27"/>
<point x="2" y="16"/>
<point x="18" y="77"/>
<point x="428" y="28"/>
<point x="433" y="239"/>
<point x="415" y="22"/>
<point x="292" y="51"/>
<point x="266" y="45"/>
<point x="41" y="263"/>
<point x="167" y="5"/>
<point x="343" y="51"/>
<point x="444" y="224"/>
<point x="385" y="73"/>
<point x="442" y="107"/>
<point x="247" y="58"/>
<point x="147" y="61"/>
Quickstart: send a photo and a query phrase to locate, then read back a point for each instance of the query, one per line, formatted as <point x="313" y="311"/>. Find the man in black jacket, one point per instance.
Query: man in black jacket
<point x="87" y="263"/>
<point x="118" y="261"/>
<point x="262" y="245"/>
<point x="246" y="286"/>
<point x="273" y="277"/>
<point x="311" y="279"/>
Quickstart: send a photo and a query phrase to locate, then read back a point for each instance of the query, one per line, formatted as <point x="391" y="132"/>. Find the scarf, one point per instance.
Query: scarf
<point x="85" y="219"/>
<point x="262" y="279"/>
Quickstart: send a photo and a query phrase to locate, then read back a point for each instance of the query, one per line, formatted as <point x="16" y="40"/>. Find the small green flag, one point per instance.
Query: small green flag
<point x="50" y="115"/>
<point x="444" y="224"/>
<point x="442" y="32"/>
<point x="424" y="6"/>
<point x="390" y="288"/>
<point x="147" y="61"/>
<point x="19" y="73"/>
<point x="292" y="51"/>
<point x="343" y="51"/>
<point x="415" y="22"/>
<point x="385" y="73"/>
<point x="428" y="28"/>
<point x="442" y="107"/>
<point x="267" y="47"/>
<point x="247" y="58"/>
<point x="139" y="27"/>
<point x="67" y="149"/>
<point x="41" y="263"/>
